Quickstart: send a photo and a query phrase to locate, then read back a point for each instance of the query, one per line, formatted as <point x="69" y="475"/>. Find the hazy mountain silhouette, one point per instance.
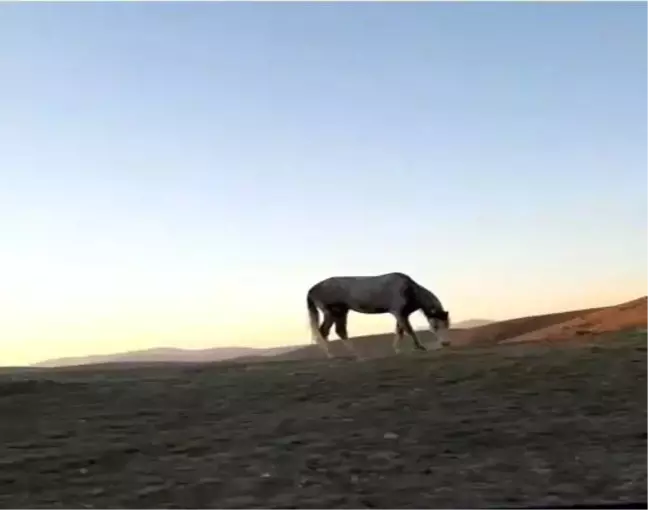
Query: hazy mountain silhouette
<point x="165" y="354"/>
<point x="171" y="355"/>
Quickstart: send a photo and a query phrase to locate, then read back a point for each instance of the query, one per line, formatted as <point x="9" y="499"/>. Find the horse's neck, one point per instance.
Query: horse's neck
<point x="429" y="302"/>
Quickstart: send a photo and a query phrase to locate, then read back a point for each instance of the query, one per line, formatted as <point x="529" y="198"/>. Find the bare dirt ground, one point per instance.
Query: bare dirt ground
<point x="526" y="424"/>
<point x="630" y="315"/>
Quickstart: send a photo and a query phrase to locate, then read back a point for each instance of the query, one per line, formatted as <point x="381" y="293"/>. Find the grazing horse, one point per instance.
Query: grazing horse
<point x="394" y="293"/>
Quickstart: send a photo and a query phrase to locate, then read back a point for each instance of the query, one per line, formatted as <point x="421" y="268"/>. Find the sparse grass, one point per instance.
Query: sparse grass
<point x="528" y="424"/>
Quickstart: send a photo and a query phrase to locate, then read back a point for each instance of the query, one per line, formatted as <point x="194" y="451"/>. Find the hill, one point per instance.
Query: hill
<point x="626" y="316"/>
<point x="515" y="422"/>
<point x="570" y="324"/>
<point x="489" y="334"/>
<point x="472" y="323"/>
<point x="524" y="425"/>
<point x="176" y="355"/>
<point x="553" y="326"/>
<point x="166" y="355"/>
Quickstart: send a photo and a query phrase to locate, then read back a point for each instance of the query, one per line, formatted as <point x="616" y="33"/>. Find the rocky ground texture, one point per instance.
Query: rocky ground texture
<point x="525" y="424"/>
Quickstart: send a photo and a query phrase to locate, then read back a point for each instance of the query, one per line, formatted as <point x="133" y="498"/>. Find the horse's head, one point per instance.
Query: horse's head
<point x="439" y="321"/>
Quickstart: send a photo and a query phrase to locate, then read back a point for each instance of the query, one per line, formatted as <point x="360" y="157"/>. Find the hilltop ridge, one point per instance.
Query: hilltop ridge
<point x="570" y="325"/>
<point x="474" y="332"/>
<point x="180" y="355"/>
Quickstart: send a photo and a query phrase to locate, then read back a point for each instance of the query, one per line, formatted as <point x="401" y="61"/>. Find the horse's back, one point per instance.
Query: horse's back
<point x="397" y="277"/>
<point x="361" y="282"/>
<point x="364" y="294"/>
<point x="363" y="278"/>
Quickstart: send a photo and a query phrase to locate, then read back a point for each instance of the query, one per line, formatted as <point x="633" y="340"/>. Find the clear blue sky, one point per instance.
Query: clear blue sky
<point x="181" y="173"/>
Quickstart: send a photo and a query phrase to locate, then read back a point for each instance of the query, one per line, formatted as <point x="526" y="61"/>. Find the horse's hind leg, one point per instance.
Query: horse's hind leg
<point x="325" y="327"/>
<point x="398" y="338"/>
<point x="341" y="331"/>
<point x="324" y="330"/>
<point x="404" y="323"/>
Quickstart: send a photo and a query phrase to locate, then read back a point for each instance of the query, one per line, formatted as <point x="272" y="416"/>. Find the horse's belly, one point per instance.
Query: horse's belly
<point x="369" y="309"/>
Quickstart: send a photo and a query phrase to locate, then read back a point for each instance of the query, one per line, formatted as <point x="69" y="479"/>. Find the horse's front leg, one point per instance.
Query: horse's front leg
<point x="404" y="323"/>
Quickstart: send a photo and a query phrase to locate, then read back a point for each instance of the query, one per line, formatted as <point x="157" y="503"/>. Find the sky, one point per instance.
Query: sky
<point x="179" y="174"/>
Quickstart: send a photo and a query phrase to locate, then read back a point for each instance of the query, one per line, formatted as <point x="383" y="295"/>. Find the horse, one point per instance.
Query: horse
<point x="394" y="293"/>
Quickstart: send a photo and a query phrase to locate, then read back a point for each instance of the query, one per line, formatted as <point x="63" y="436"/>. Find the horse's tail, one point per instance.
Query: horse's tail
<point x="313" y="319"/>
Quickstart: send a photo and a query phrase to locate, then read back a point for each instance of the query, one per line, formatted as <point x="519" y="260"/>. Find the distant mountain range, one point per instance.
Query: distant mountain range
<point x="630" y="315"/>
<point x="166" y="354"/>
<point x="174" y="355"/>
<point x="471" y="323"/>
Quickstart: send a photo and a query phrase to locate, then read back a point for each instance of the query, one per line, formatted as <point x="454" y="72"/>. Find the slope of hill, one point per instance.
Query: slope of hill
<point x="512" y="426"/>
<point x="166" y="355"/>
<point x="538" y="327"/>
<point x="629" y="315"/>
<point x="494" y="333"/>
<point x="553" y="326"/>
<point x="176" y="355"/>
<point x="472" y="323"/>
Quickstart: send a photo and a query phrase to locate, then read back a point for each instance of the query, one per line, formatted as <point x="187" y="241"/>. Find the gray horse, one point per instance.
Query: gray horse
<point x="394" y="293"/>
